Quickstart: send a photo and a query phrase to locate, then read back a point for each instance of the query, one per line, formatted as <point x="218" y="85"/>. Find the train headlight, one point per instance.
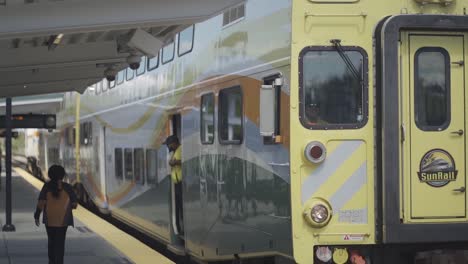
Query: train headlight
<point x="318" y="212"/>
<point x="315" y="152"/>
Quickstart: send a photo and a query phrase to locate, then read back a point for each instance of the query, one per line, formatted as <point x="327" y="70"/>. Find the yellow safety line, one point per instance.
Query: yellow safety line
<point x="128" y="245"/>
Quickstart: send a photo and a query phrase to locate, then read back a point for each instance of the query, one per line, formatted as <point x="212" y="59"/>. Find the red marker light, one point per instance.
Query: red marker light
<point x="315" y="152"/>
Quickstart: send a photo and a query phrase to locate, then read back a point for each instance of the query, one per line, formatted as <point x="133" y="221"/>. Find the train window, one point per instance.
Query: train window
<point x="130" y="74"/>
<point x="128" y="163"/>
<point x="168" y="53"/>
<point x="139" y="165"/>
<point x="111" y="84"/>
<point x="163" y="166"/>
<point x="230" y="116"/>
<point x="118" y="163"/>
<point x="71" y="134"/>
<point x="103" y="86"/>
<point x="82" y="133"/>
<point x="91" y="89"/>
<point x="152" y="166"/>
<point x="142" y="67"/>
<point x="89" y="133"/>
<point x="207" y="119"/>
<point x="119" y="79"/>
<point x="85" y="133"/>
<point x="333" y="87"/>
<point x="153" y="63"/>
<point x="67" y="137"/>
<point x="185" y="43"/>
<point x="98" y="89"/>
<point x="432" y="89"/>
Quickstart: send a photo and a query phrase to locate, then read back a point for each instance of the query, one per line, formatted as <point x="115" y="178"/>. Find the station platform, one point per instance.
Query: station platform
<point x="93" y="240"/>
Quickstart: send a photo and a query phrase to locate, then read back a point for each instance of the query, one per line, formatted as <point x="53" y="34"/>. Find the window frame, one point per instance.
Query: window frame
<point x="192" y="42"/>
<point x="151" y="181"/>
<point x="111" y="84"/>
<point x="203" y="142"/>
<point x="148" y="62"/>
<point x="119" y="81"/>
<point x="144" y="67"/>
<point x="125" y="151"/>
<point x="142" y="168"/>
<point x="98" y="90"/>
<point x="365" y="89"/>
<point x="173" y="52"/>
<point x="122" y="176"/>
<point x="127" y="76"/>
<point x="220" y="122"/>
<point x="104" y="88"/>
<point x="448" y="87"/>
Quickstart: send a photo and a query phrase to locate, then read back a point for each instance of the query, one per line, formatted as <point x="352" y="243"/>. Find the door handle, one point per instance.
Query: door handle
<point x="459" y="63"/>
<point x="459" y="132"/>
<point x="461" y="189"/>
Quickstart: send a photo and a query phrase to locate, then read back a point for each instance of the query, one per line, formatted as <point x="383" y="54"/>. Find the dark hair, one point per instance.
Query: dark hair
<point x="171" y="139"/>
<point x="56" y="174"/>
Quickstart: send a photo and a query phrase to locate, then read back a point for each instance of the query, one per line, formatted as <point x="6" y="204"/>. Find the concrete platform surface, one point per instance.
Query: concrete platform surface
<point x="84" y="244"/>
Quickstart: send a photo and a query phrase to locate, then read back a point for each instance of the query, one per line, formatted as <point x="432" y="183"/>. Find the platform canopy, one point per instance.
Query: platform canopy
<point x="50" y="46"/>
<point x="37" y="104"/>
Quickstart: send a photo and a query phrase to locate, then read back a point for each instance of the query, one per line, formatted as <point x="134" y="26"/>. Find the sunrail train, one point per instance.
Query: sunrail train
<point x="322" y="131"/>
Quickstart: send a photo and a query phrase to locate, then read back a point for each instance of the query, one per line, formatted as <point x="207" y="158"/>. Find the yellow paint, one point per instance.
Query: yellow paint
<point x="357" y="201"/>
<point x="133" y="249"/>
<point x="343" y="172"/>
<point x="421" y="201"/>
<point x="315" y="23"/>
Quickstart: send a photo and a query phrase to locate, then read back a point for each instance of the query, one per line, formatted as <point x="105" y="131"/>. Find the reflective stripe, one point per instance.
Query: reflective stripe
<point x="352" y="185"/>
<point x="319" y="176"/>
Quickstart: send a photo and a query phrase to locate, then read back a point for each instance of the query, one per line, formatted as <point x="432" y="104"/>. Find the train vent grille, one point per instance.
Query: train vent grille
<point x="233" y="15"/>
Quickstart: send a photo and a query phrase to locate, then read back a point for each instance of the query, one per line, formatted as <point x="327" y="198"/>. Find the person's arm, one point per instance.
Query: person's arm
<point x="176" y="158"/>
<point x="174" y="162"/>
<point x="72" y="195"/>
<point x="41" y="201"/>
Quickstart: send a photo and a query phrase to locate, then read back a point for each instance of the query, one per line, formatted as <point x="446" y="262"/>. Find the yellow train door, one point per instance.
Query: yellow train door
<point x="433" y="127"/>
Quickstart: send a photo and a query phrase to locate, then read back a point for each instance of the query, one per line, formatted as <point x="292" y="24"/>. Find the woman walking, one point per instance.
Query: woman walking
<point x="57" y="200"/>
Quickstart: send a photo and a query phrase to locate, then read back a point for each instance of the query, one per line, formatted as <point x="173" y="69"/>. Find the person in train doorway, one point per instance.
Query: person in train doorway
<point x="56" y="200"/>
<point x="173" y="144"/>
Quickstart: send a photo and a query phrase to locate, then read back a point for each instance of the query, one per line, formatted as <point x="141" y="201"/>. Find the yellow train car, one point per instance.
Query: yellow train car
<point x="378" y="148"/>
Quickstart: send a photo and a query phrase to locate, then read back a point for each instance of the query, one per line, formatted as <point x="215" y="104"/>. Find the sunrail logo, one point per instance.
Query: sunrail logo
<point x="437" y="168"/>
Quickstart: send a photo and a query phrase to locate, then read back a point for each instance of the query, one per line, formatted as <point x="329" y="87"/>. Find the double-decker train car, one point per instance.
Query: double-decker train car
<point x="321" y="131"/>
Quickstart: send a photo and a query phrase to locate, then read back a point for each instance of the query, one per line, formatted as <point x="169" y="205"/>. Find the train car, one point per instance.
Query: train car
<point x="321" y="131"/>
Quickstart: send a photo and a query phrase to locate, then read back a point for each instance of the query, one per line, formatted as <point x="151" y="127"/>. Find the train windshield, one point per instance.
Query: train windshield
<point x="333" y="88"/>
